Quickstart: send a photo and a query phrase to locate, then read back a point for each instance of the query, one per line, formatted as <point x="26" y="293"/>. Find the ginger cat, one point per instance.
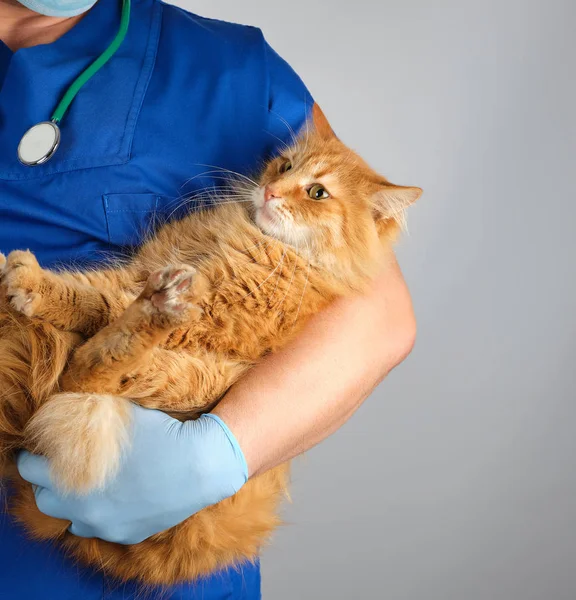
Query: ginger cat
<point x="198" y="304"/>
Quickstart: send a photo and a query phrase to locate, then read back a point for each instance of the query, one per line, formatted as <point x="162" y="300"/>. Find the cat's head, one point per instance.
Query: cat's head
<point x="322" y="198"/>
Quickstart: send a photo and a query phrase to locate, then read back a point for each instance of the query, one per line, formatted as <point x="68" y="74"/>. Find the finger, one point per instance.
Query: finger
<point x="34" y="469"/>
<point x="50" y="504"/>
<point x="81" y="530"/>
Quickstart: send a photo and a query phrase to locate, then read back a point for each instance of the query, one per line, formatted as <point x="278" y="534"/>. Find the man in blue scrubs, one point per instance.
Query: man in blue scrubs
<point x="182" y="93"/>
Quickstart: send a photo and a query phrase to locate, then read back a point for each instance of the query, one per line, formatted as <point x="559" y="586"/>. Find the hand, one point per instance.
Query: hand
<point x="170" y="471"/>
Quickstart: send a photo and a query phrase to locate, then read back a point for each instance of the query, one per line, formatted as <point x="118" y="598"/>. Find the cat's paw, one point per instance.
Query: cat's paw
<point x="168" y="291"/>
<point x="20" y="277"/>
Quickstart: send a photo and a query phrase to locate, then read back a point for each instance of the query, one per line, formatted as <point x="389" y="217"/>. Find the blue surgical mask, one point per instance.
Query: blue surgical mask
<point x="59" y="8"/>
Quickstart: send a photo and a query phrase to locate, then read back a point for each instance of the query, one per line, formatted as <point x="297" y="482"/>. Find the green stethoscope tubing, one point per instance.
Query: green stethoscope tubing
<point x="88" y="73"/>
<point x="41" y="141"/>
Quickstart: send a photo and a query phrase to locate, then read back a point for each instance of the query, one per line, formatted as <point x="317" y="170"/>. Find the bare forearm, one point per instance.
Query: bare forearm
<point x="297" y="397"/>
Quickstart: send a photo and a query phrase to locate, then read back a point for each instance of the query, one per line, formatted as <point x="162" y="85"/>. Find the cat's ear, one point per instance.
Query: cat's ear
<point x="321" y="123"/>
<point x="390" y="200"/>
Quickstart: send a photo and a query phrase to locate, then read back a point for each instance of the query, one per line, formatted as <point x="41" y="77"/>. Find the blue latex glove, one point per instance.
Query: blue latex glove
<point x="170" y="471"/>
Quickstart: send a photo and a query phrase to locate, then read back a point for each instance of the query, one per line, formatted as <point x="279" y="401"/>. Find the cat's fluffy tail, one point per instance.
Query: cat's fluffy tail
<point x="83" y="435"/>
<point x="32" y="358"/>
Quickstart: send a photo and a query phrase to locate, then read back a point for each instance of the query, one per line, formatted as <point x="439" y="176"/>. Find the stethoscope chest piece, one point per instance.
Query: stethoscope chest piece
<point x="39" y="143"/>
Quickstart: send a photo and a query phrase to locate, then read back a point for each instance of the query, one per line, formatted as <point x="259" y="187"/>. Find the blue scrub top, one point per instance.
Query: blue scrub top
<point x="183" y="92"/>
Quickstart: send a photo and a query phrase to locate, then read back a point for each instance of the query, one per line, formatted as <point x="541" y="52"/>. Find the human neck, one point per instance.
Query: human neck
<point x="21" y="27"/>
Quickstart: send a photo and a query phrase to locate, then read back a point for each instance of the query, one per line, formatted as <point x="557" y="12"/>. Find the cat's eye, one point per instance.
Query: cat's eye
<point x="318" y="192"/>
<point x="285" y="166"/>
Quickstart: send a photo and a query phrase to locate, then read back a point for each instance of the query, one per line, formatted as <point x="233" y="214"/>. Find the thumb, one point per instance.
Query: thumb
<point x="34" y="469"/>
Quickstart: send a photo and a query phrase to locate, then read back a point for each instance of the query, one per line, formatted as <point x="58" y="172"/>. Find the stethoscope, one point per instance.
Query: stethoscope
<point x="41" y="141"/>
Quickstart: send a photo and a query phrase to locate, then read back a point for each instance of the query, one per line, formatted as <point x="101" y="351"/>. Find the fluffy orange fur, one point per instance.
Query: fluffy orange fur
<point x="199" y="304"/>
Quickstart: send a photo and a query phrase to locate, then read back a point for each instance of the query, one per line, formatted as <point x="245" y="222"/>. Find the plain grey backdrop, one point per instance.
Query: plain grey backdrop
<point x="456" y="480"/>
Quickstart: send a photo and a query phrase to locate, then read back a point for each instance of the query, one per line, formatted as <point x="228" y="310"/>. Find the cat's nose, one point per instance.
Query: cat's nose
<point x="270" y="193"/>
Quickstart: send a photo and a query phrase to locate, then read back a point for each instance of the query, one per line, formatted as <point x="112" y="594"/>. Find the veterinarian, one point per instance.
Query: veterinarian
<point x="179" y="93"/>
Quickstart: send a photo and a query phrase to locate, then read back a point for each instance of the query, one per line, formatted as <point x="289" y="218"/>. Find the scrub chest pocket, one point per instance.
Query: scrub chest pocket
<point x="131" y="218"/>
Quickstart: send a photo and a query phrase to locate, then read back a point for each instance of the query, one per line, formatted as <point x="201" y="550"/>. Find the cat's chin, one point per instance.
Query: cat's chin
<point x="266" y="223"/>
<point x="298" y="239"/>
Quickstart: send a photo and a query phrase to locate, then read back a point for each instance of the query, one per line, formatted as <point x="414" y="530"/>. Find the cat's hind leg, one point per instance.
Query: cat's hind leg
<point x="164" y="306"/>
<point x="84" y="431"/>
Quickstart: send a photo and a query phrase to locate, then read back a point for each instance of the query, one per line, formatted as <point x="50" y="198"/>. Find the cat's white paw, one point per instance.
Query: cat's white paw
<point x="167" y="289"/>
<point x="20" y="275"/>
<point x="24" y="302"/>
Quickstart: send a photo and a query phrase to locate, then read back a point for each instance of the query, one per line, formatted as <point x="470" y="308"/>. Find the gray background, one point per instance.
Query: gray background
<point x="456" y="480"/>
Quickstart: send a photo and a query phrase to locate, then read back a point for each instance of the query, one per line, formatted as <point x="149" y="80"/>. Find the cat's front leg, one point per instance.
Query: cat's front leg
<point x="22" y="279"/>
<point x="62" y="300"/>
<point x="164" y="306"/>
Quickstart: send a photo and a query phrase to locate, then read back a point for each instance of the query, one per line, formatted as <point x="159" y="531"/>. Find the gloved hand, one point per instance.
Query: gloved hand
<point x="170" y="471"/>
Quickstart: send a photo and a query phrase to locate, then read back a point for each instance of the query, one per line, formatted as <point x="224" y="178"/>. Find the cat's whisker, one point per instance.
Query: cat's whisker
<point x="238" y="200"/>
<point x="260" y="243"/>
<point x="232" y="181"/>
<point x="288" y="126"/>
<point x="279" y="273"/>
<point x="197" y="176"/>
<point x="274" y="269"/>
<point x="235" y="173"/>
<point x="289" y="285"/>
<point x="307" y="136"/>
<point x="213" y="172"/>
<point x="232" y="190"/>
<point x="261" y="284"/>
<point x="211" y="202"/>
<point x="284" y="145"/>
<point x="215" y="203"/>
<point x="303" y="293"/>
<point x="207" y="191"/>
<point x="214" y="190"/>
<point x="267" y="243"/>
